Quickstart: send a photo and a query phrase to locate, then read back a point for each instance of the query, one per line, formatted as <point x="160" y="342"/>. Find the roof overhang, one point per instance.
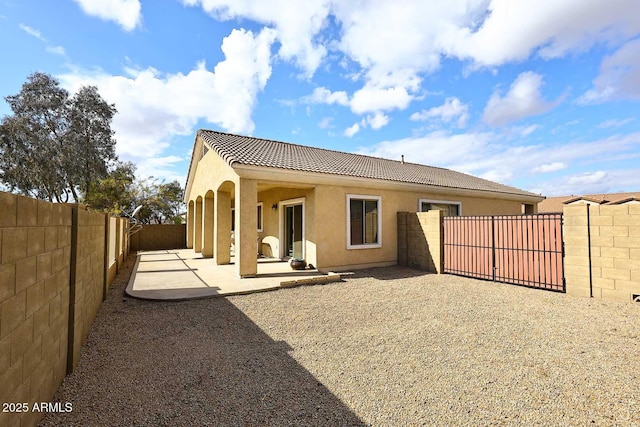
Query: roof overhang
<point x="263" y="173"/>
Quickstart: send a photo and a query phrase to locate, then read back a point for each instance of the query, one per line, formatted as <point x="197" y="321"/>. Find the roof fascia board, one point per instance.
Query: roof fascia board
<point x="263" y="173"/>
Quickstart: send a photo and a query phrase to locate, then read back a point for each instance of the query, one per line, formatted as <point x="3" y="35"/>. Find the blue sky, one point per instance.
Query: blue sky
<point x="544" y="98"/>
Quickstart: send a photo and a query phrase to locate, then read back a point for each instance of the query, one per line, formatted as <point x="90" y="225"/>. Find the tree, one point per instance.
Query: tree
<point x="115" y="193"/>
<point x="54" y="146"/>
<point x="90" y="138"/>
<point x="32" y="139"/>
<point x="121" y="193"/>
<point x="161" y="202"/>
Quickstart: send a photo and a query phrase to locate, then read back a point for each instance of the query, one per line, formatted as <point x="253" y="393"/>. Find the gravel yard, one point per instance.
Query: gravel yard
<point x="387" y="347"/>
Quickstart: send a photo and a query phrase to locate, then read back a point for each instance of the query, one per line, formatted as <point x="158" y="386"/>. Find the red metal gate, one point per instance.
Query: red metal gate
<point x="523" y="250"/>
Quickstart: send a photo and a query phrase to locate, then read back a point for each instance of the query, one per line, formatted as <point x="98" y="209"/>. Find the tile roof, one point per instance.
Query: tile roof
<point x="555" y="204"/>
<point x="248" y="150"/>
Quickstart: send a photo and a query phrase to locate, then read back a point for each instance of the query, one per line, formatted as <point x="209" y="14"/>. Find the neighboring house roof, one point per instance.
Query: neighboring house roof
<point x="586" y="199"/>
<point x="555" y="204"/>
<point x="246" y="150"/>
<point x="626" y="200"/>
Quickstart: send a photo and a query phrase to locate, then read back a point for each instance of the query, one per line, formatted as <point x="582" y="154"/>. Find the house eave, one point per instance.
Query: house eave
<point x="263" y="173"/>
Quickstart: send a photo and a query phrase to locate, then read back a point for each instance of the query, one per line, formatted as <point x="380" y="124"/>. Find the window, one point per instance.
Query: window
<point x="364" y="222"/>
<point x="260" y="216"/>
<point x="449" y="208"/>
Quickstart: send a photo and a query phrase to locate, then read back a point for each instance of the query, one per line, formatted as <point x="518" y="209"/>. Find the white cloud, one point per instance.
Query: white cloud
<point x="153" y="107"/>
<point x="374" y="99"/>
<point x="451" y="110"/>
<point x="32" y="32"/>
<point x="323" y="95"/>
<point x="494" y="156"/>
<point x="162" y="167"/>
<point x="126" y="13"/>
<point x="550" y="167"/>
<point x="619" y="76"/>
<point x="365" y="100"/>
<point x="296" y="24"/>
<point x="393" y="44"/>
<point x="588" y="178"/>
<point x="326" y="123"/>
<point x="378" y="120"/>
<point x="514" y="29"/>
<point x="522" y="100"/>
<point x="615" y="123"/>
<point x="528" y="130"/>
<point x="56" y="50"/>
<point x="352" y="130"/>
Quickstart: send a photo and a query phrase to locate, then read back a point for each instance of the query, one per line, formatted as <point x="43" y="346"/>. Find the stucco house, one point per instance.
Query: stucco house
<point x="335" y="210"/>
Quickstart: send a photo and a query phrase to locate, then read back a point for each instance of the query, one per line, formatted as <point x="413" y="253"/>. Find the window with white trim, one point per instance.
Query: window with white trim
<point x="449" y="208"/>
<point x="364" y="221"/>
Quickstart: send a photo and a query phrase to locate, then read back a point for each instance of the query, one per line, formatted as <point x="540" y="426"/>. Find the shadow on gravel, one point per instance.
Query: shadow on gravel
<point x="200" y="362"/>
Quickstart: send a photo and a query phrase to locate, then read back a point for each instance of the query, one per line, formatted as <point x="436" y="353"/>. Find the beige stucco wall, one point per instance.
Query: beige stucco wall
<point x="331" y="222"/>
<point x="210" y="173"/>
<point x="615" y="251"/>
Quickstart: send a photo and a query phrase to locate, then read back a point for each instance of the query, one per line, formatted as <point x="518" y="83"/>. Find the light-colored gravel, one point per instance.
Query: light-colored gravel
<point x="388" y="347"/>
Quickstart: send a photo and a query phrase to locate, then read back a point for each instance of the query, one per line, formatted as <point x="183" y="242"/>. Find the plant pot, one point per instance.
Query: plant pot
<point x="297" y="264"/>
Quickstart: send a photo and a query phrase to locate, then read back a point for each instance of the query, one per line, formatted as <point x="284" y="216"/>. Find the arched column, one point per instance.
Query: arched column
<point x="190" y="221"/>
<point x="197" y="234"/>
<point x="208" y="225"/>
<point x="222" y="224"/>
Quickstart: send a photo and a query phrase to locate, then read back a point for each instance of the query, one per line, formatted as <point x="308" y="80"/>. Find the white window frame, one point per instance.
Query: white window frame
<point x="444" y="202"/>
<point x="261" y="222"/>
<point x="378" y="199"/>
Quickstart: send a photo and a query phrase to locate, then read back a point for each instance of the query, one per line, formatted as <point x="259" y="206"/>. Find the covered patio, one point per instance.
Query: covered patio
<point x="182" y="274"/>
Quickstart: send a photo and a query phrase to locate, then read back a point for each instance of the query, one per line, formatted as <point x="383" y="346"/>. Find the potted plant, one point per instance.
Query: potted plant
<point x="297" y="264"/>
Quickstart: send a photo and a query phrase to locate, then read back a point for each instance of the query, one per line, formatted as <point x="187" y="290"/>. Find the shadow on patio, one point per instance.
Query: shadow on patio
<point x="182" y="274"/>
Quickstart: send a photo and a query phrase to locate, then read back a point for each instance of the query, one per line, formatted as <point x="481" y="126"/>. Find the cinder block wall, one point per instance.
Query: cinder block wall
<point x="614" y="258"/>
<point x="34" y="301"/>
<point x="52" y="270"/>
<point x="420" y="240"/>
<point x="160" y="236"/>
<point x="89" y="278"/>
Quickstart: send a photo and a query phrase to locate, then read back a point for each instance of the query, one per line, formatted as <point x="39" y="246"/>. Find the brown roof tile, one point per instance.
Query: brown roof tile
<point x="263" y="152"/>
<point x="555" y="204"/>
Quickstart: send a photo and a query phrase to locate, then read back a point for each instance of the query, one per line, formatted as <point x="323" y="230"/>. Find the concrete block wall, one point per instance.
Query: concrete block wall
<point x="160" y="236"/>
<point x="610" y="266"/>
<point x="420" y="240"/>
<point x="52" y="281"/>
<point x="34" y="301"/>
<point x="89" y="290"/>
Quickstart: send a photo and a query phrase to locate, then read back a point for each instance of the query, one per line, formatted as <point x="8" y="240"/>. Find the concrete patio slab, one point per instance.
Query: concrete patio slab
<point x="182" y="274"/>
